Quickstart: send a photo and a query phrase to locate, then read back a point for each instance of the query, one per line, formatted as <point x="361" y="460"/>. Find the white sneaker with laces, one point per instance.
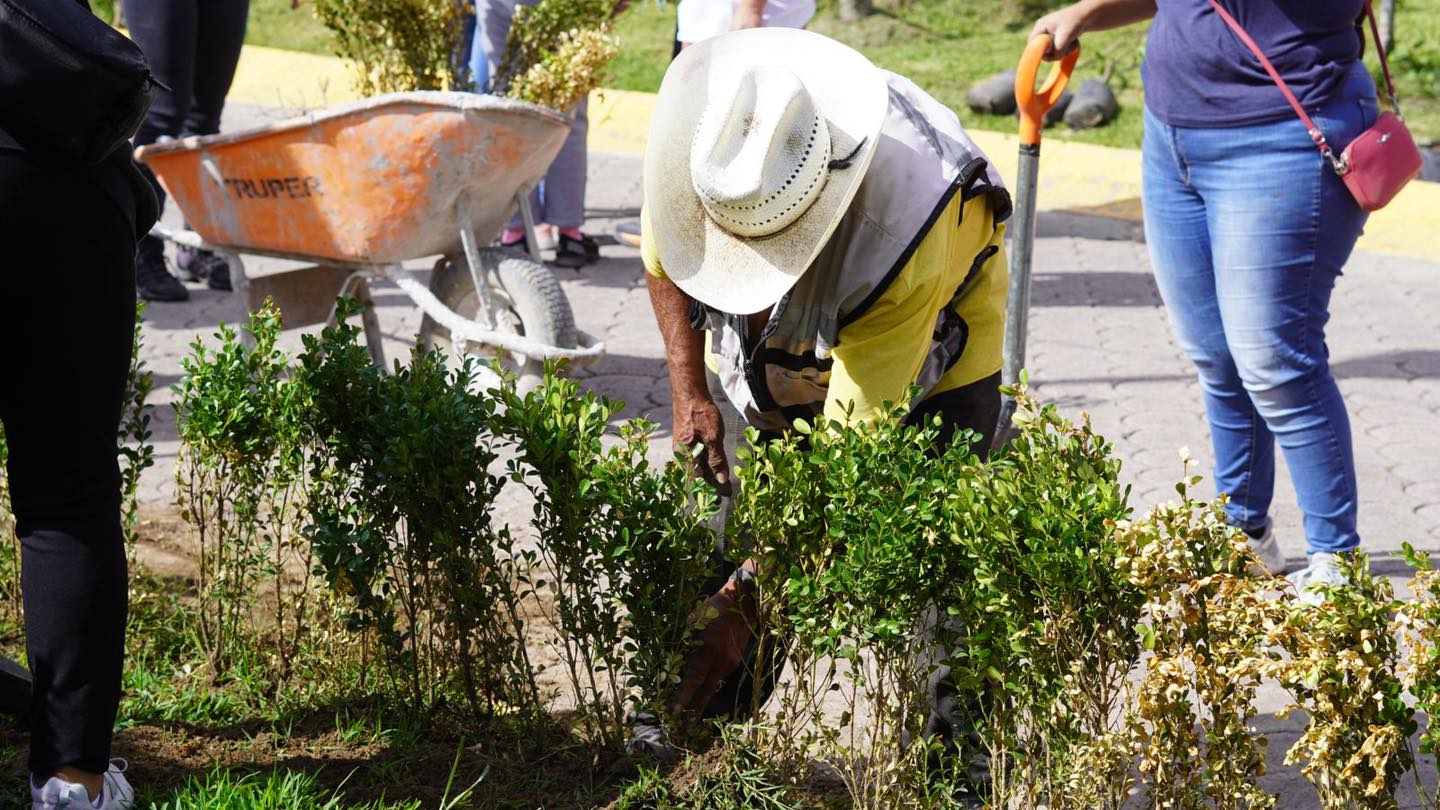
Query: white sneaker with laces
<point x="1267" y="550"/>
<point x="1324" y="569"/>
<point x="56" y="793"/>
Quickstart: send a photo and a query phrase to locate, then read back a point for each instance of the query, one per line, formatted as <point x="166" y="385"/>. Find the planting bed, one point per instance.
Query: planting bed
<point x="335" y="614"/>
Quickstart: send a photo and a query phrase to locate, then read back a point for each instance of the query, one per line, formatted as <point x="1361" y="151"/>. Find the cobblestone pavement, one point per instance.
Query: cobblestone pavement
<point x="1099" y="344"/>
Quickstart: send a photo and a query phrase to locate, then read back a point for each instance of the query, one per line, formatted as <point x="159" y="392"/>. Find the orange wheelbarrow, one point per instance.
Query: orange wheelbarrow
<point x="356" y="190"/>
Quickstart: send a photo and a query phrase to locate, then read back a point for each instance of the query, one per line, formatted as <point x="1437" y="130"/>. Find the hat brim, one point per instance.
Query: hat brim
<point x="728" y="272"/>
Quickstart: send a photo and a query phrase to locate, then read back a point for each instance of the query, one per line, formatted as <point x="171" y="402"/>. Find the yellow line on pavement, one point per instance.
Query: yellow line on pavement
<point x="1097" y="180"/>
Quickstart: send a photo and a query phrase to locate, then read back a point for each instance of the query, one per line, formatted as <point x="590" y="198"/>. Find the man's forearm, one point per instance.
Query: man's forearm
<point x="684" y="344"/>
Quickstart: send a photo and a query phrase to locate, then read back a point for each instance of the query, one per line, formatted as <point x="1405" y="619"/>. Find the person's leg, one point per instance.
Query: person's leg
<point x="69" y="331"/>
<point x="565" y="179"/>
<point x="974" y="408"/>
<point x="1282" y="226"/>
<point x="166" y="32"/>
<point x="493" y="21"/>
<point x="565" y="195"/>
<point x="476" y="59"/>
<point x="1178" y="234"/>
<point x="219" y="33"/>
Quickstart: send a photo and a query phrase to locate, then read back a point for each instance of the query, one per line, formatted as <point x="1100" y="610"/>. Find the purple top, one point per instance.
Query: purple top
<point x="1197" y="73"/>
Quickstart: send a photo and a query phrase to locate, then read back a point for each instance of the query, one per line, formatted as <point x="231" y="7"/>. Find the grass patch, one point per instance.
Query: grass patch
<point x="275" y="790"/>
<point x="944" y="45"/>
<point x="274" y="24"/>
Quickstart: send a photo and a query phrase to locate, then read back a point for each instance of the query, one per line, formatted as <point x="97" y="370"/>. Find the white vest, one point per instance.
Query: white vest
<point x="922" y="160"/>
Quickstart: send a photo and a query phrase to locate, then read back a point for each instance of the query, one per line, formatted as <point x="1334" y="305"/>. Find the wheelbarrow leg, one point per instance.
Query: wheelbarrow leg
<point x="358" y="287"/>
<point x="528" y="218"/>
<point x="471" y="246"/>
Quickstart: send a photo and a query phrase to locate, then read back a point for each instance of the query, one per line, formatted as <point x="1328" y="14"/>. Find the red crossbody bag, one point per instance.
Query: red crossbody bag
<point x="1382" y="159"/>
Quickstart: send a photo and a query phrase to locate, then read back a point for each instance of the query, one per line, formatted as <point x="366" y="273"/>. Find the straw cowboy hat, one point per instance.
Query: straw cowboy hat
<point x="759" y="142"/>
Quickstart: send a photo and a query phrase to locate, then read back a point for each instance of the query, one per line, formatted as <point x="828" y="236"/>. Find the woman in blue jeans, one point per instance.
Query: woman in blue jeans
<point x="1249" y="228"/>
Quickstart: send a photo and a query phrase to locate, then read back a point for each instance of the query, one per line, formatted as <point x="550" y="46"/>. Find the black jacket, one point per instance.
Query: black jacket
<point x="117" y="176"/>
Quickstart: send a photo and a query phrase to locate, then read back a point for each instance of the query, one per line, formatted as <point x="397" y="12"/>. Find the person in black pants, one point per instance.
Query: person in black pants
<point x="67" y="311"/>
<point x="193" y="47"/>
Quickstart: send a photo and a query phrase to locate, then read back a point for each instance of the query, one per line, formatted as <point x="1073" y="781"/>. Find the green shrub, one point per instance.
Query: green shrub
<point x="1043" y="616"/>
<point x="729" y="777"/>
<point x="398" y="45"/>
<point x="1342" y="670"/>
<point x="556" y="52"/>
<point x="137" y="453"/>
<point x="400" y="496"/>
<point x="622" y="550"/>
<point x="884" y="557"/>
<point x="236" y="474"/>
<point x="1210" y="629"/>
<point x="1418" y="622"/>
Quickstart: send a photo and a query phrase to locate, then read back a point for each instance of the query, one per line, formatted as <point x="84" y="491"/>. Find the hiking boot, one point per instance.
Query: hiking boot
<point x="1313" y="582"/>
<point x="153" y="281"/>
<point x="56" y="793"/>
<point x="576" y="253"/>
<point x="1262" y="542"/>
<point x="202" y="265"/>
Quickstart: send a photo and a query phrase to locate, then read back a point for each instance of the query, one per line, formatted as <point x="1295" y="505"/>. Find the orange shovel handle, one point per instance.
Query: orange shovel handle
<point x="1035" y="103"/>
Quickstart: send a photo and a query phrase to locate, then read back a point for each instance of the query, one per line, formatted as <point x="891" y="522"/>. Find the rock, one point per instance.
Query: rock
<point x="993" y="96"/>
<point x="1094" y="105"/>
<point x="1057" y="113"/>
<point x="1430" y="163"/>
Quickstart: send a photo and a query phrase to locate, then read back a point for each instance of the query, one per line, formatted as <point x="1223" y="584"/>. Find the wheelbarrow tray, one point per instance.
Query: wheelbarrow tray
<point x="374" y="181"/>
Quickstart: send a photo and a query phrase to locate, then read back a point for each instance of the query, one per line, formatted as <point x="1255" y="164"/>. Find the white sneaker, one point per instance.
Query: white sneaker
<point x="56" y="793"/>
<point x="1267" y="551"/>
<point x="1324" y="569"/>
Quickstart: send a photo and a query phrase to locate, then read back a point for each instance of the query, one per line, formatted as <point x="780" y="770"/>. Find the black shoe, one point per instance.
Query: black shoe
<point x="521" y="245"/>
<point x="576" y="253"/>
<point x="202" y="265"/>
<point x="154" y="283"/>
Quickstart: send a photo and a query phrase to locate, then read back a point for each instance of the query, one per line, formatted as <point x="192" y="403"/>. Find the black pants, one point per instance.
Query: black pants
<point x="974" y="407"/>
<point x="67" y="310"/>
<point x="193" y="47"/>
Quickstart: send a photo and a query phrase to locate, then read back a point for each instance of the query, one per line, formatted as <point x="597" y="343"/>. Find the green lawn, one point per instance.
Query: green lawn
<point x="944" y="45"/>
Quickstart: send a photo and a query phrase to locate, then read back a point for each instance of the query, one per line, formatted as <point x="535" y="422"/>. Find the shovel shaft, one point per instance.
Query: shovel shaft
<point x="1033" y="103"/>
<point x="1022" y="245"/>
<point x="1017" y="307"/>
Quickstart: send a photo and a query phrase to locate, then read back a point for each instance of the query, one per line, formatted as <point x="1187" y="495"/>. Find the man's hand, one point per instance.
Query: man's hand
<point x="698" y="421"/>
<point x="727" y="623"/>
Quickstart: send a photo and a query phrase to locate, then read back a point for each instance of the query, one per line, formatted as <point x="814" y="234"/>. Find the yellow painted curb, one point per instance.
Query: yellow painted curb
<point x="278" y="78"/>
<point x="1078" y="177"/>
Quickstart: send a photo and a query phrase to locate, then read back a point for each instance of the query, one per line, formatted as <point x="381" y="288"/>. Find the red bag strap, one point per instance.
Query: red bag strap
<point x="1315" y="134"/>
<point x="1380" y="51"/>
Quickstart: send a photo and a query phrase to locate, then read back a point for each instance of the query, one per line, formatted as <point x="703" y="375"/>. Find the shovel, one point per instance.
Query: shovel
<point x="1033" y="105"/>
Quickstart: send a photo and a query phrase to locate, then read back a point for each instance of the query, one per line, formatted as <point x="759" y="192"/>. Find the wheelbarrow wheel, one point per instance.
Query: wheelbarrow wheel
<point x="525" y="299"/>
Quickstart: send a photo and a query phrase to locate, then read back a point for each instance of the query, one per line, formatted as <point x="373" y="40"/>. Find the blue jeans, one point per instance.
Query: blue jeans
<point x="1248" y="229"/>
